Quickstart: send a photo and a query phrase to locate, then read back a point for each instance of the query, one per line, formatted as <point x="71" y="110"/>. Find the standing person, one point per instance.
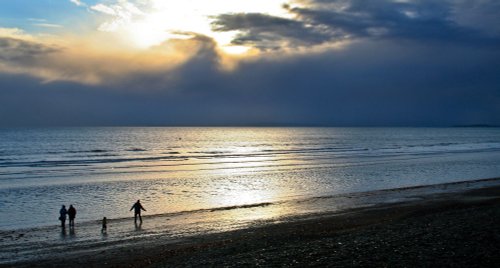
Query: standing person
<point x="104" y="225"/>
<point x="137" y="207"/>
<point x="62" y="216"/>
<point x="72" y="215"/>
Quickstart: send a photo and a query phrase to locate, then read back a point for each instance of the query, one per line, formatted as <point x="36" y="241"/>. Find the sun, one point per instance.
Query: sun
<point x="168" y="19"/>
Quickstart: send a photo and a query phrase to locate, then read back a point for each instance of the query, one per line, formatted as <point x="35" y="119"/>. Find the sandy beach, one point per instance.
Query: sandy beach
<point x="454" y="229"/>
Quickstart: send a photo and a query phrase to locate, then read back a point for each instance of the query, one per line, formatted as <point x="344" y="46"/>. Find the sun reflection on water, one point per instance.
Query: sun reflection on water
<point x="240" y="176"/>
<point x="250" y="199"/>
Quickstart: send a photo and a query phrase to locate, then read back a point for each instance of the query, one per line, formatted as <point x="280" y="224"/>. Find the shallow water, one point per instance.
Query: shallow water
<point x="102" y="171"/>
<point x="86" y="238"/>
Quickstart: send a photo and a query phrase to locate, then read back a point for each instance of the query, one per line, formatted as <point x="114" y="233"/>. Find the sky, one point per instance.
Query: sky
<point x="249" y="62"/>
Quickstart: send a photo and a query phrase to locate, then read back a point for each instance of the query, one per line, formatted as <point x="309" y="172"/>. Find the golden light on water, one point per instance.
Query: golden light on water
<point x="242" y="191"/>
<point x="240" y="177"/>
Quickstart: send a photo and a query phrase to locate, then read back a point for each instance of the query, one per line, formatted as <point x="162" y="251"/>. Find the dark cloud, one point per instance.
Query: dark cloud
<point x="368" y="84"/>
<point x="416" y="20"/>
<point x="320" y="21"/>
<point x="268" y="32"/>
<point x="17" y="50"/>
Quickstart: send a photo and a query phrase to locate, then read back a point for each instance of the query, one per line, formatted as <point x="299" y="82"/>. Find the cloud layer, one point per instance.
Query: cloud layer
<point x="316" y="22"/>
<point x="423" y="63"/>
<point x="83" y="63"/>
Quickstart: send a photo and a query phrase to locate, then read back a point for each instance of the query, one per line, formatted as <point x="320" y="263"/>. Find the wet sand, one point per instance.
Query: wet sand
<point x="457" y="229"/>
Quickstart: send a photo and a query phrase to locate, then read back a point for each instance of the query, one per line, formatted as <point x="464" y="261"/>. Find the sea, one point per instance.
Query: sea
<point x="188" y="172"/>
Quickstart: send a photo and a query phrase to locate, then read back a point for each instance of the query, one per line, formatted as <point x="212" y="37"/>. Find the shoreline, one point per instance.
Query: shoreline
<point x="281" y="240"/>
<point x="406" y="192"/>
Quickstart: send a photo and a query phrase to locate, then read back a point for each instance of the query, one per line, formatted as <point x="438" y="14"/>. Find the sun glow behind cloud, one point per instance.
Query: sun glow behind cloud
<point x="161" y="20"/>
<point x="107" y="42"/>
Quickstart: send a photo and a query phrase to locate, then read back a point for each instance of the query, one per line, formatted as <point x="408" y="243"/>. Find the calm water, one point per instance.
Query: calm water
<point x="102" y="171"/>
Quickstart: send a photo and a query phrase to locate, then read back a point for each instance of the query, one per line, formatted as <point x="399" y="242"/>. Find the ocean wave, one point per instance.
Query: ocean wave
<point x="100" y="156"/>
<point x="209" y="210"/>
<point x="90" y="151"/>
<point x="171" y="153"/>
<point x="136" y="150"/>
<point x="79" y="162"/>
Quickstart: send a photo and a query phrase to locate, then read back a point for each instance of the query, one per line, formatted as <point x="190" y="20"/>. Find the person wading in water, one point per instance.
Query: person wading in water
<point x="62" y="216"/>
<point x="72" y="215"/>
<point x="137" y="207"/>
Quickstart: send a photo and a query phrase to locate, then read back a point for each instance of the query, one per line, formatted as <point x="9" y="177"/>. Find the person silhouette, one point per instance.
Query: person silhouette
<point x="62" y="216"/>
<point x="72" y="215"/>
<point x="137" y="207"/>
<point x="104" y="225"/>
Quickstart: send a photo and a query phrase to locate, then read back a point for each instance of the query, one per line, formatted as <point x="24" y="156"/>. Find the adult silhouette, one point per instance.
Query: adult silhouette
<point x="71" y="215"/>
<point x="137" y="207"/>
<point x="62" y="216"/>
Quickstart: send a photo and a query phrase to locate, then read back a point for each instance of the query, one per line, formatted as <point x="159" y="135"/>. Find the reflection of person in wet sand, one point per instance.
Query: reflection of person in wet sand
<point x="137" y="207"/>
